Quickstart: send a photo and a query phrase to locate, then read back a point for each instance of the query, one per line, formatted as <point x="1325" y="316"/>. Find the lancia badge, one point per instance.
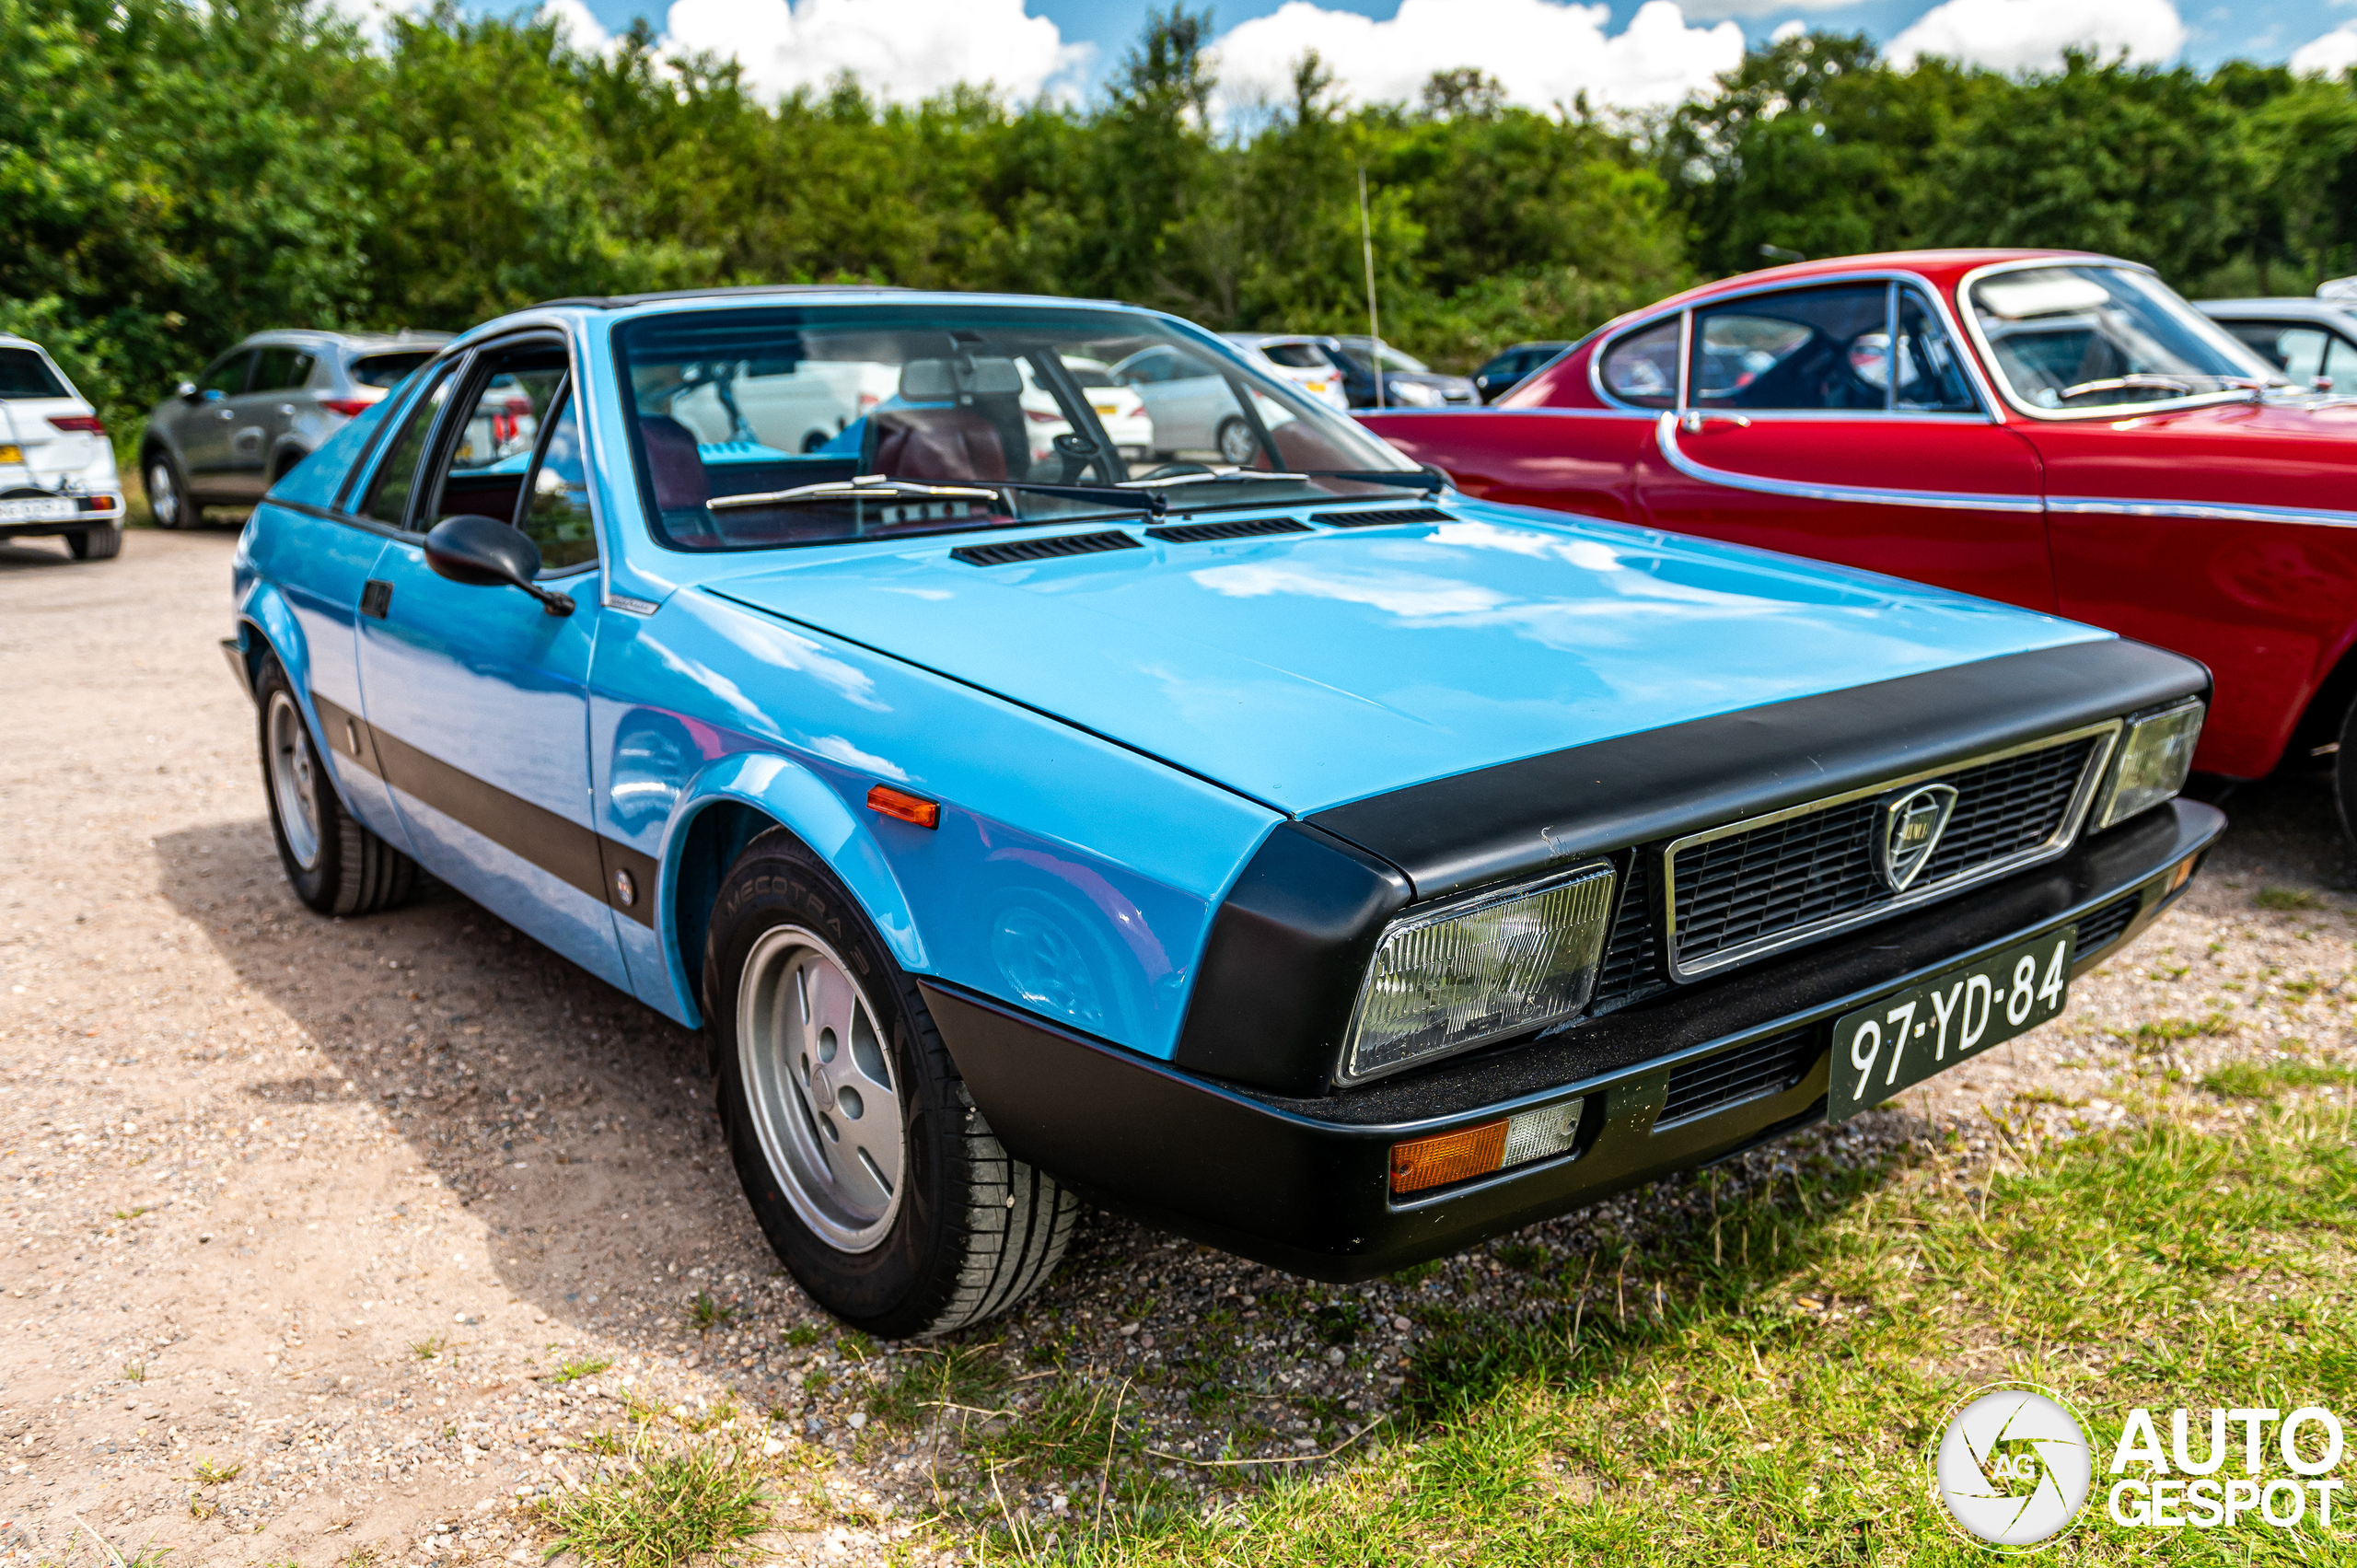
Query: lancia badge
<point x="1908" y="829"/>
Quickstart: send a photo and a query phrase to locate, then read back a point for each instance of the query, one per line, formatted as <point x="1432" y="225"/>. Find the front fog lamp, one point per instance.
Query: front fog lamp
<point x="1479" y="969"/>
<point x="1443" y="1158"/>
<point x="2155" y="754"/>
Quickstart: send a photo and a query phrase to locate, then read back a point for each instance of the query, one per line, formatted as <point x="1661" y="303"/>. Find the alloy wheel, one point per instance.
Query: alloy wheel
<point x="293" y="786"/>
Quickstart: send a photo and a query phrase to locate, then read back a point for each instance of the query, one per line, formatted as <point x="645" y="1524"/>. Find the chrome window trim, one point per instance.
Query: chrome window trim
<point x="1665" y="436"/>
<point x="2205" y="511"/>
<point x="1991" y="407"/>
<point x="2082" y="801"/>
<point x="1988" y="356"/>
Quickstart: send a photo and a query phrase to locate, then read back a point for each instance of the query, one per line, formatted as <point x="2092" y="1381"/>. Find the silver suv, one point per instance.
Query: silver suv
<point x="224" y="438"/>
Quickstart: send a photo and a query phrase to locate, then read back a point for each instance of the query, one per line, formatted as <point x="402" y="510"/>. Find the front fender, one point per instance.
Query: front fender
<point x="799" y="801"/>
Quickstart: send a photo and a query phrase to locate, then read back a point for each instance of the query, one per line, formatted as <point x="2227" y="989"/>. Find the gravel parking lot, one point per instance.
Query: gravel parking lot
<point x="325" y="1239"/>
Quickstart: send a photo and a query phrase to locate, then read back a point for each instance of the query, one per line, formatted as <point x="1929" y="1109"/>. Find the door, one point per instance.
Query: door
<point x="207" y="424"/>
<point x="276" y="396"/>
<point x="477" y="698"/>
<point x="1804" y="430"/>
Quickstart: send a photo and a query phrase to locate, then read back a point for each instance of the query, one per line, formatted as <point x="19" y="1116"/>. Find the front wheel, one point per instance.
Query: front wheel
<point x="2344" y="773"/>
<point x="335" y="865"/>
<point x="876" y="1179"/>
<point x="168" y="501"/>
<point x="1236" y="443"/>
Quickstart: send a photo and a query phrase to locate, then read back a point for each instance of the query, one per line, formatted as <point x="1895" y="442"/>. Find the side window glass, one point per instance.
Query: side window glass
<point x="2299" y="352"/>
<point x="1819" y="348"/>
<point x="1643" y="368"/>
<point x="2341" y="365"/>
<point x="397" y="473"/>
<point x="479" y="467"/>
<point x="555" y="511"/>
<point x="226" y="378"/>
<point x="281" y="369"/>
<point x="1930" y="373"/>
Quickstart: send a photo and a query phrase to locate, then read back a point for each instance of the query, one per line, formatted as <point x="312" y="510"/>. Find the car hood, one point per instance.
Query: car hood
<point x="1308" y="670"/>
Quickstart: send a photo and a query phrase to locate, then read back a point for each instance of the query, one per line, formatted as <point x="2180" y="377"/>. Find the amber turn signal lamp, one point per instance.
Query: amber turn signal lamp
<point x="908" y="807"/>
<point x="1447" y="1156"/>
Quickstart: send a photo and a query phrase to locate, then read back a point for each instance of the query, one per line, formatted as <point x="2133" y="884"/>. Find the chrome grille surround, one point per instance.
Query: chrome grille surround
<point x="1936" y="884"/>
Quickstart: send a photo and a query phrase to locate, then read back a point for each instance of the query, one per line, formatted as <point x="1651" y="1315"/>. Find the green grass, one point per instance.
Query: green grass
<point x="579" y="1367"/>
<point x="2156" y="1035"/>
<point x="207" y="1473"/>
<point x="135" y="1372"/>
<point x="2287" y="898"/>
<point x="1776" y="1407"/>
<point x="2269" y="1080"/>
<point x="656" y="1509"/>
<point x="704" y="1314"/>
<point x="427" y="1349"/>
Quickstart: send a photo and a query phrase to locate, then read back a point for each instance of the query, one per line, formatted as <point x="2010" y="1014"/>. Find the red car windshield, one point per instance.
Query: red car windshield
<point x="2082" y="339"/>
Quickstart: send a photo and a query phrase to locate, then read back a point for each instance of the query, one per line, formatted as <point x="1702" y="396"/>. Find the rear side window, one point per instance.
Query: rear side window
<point x="1819" y="348"/>
<point x="24" y="374"/>
<point x="280" y="369"/>
<point x="396" y="478"/>
<point x="1297" y="357"/>
<point x="1642" y="368"/>
<point x="227" y="375"/>
<point x="386" y="370"/>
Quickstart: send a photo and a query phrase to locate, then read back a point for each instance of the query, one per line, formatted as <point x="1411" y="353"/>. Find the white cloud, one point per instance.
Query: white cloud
<point x="1543" y="51"/>
<point x="579" y="25"/>
<point x="900" y="49"/>
<point x="1793" y="29"/>
<point x="2028" y="35"/>
<point x="2329" y="55"/>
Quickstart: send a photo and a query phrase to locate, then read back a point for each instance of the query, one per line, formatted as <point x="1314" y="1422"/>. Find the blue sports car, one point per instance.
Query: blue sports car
<point x="1257" y="835"/>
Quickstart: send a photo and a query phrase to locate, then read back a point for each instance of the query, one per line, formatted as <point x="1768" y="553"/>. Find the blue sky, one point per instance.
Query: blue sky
<point x="2265" y="30"/>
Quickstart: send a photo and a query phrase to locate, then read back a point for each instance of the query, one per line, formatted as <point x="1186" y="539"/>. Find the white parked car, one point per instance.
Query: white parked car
<point x="1119" y="409"/>
<point x="57" y="472"/>
<point x="1312" y="364"/>
<point x="1194" y="407"/>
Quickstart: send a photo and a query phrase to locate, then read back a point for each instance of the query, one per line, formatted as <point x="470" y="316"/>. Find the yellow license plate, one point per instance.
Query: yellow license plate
<point x="11" y="453"/>
<point x="1107" y="408"/>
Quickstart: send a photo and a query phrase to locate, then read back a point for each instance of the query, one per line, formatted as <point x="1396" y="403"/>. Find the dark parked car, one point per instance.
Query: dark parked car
<point x="1408" y="382"/>
<point x="1509" y="368"/>
<point x="253" y="413"/>
<point x="2313" y="342"/>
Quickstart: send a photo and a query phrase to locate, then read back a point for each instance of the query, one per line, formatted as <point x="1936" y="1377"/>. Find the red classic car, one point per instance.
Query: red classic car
<point x="2054" y="429"/>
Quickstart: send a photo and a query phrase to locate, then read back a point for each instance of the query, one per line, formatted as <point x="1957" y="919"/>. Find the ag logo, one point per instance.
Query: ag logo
<point x="1906" y="832"/>
<point x="2013" y="1466"/>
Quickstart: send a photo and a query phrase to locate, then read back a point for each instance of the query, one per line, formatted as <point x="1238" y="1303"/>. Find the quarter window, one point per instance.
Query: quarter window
<point x="396" y="475"/>
<point x="279" y="369"/>
<point x="227" y="375"/>
<point x="1642" y="368"/>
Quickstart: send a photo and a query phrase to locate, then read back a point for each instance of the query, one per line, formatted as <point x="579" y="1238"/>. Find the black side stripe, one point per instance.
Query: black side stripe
<point x="575" y="856"/>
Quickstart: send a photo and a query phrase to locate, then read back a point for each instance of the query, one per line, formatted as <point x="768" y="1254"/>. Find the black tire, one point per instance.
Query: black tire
<point x="348" y="870"/>
<point x="970" y="1230"/>
<point x="2344" y="773"/>
<point x="168" y="501"/>
<point x="95" y="544"/>
<point x="1234" y="441"/>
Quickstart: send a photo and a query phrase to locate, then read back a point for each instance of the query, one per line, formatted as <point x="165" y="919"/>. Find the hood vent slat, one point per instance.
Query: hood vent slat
<point x="1383" y="518"/>
<point x="1239" y="527"/>
<point x="1047" y="548"/>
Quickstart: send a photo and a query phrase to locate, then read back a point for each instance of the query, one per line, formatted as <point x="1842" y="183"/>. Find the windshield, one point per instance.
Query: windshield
<point x="736" y="415"/>
<point x="2088" y="338"/>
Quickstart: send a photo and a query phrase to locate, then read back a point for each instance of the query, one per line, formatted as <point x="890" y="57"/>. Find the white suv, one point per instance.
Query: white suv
<point x="57" y="473"/>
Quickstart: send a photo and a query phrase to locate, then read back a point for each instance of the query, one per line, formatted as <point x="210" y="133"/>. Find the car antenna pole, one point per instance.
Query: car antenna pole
<point x="1373" y="322"/>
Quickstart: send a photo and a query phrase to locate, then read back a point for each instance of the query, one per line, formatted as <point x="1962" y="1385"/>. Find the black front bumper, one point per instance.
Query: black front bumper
<point x="1304" y="1183"/>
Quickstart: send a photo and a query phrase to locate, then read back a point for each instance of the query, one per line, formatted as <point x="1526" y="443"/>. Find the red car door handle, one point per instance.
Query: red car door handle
<point x="1693" y="420"/>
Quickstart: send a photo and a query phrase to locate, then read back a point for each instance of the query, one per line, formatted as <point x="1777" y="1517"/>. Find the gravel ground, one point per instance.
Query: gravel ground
<point x="333" y="1206"/>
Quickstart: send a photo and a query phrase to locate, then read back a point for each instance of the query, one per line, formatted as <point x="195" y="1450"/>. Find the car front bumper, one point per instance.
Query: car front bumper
<point x="1304" y="1183"/>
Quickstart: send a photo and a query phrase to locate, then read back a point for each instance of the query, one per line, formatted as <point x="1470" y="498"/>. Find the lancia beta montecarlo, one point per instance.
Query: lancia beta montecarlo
<point x="1293" y="852"/>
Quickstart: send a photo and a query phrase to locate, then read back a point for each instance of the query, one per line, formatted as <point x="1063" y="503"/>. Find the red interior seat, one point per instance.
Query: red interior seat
<point x="938" y="444"/>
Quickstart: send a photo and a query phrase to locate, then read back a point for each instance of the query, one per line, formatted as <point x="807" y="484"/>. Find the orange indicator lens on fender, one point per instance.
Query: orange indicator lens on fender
<point x="908" y="807"/>
<point x="1447" y="1156"/>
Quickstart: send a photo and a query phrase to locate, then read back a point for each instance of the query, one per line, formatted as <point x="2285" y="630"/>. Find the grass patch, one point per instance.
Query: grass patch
<point x="704" y="1314"/>
<point x="2269" y="1080"/>
<point x="135" y="1372"/>
<point x="2156" y="1035"/>
<point x="427" y="1349"/>
<point x="661" y="1508"/>
<point x="1759" y="1386"/>
<point x="579" y="1367"/>
<point x="2287" y="898"/>
<point x="207" y="1473"/>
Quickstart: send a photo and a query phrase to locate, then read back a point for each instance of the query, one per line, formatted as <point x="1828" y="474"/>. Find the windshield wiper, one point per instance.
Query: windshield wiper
<point x="1206" y="476"/>
<point x="1430" y="481"/>
<point x="883" y="486"/>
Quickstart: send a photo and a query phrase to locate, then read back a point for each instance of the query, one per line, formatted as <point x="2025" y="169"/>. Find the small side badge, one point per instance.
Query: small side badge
<point x="1908" y="829"/>
<point x="626" y="889"/>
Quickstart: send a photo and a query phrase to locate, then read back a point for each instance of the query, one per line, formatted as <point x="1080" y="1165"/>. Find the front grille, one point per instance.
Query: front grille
<point x="1235" y="527"/>
<point x="1790" y="875"/>
<point x="2102" y="928"/>
<point x="1385" y="518"/>
<point x="1629" y="971"/>
<point x="1748" y="1072"/>
<point x="1043" y="549"/>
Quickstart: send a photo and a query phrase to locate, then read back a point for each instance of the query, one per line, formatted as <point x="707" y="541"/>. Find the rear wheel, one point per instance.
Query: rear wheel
<point x="1236" y="443"/>
<point x="876" y="1180"/>
<point x="2344" y="773"/>
<point x="95" y="544"/>
<point x="335" y="865"/>
<point x="168" y="501"/>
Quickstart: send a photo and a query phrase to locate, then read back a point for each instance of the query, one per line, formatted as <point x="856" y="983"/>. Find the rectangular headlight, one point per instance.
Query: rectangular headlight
<point x="2155" y="754"/>
<point x="1480" y="969"/>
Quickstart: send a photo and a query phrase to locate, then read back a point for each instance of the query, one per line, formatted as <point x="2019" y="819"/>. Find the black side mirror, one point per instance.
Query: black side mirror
<point x="185" y="391"/>
<point x="485" y="552"/>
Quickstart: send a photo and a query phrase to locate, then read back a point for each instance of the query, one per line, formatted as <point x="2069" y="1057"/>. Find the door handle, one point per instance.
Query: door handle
<point x="286" y="408"/>
<point x="376" y="598"/>
<point x="1691" y="421"/>
<point x="226" y="413"/>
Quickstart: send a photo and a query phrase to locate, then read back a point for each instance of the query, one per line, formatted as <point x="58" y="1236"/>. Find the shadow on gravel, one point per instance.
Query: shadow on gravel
<point x="575" y="1122"/>
<point x="2284" y="829"/>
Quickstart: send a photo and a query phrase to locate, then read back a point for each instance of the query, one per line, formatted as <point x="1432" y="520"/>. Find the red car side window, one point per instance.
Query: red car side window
<point x="1642" y="368"/>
